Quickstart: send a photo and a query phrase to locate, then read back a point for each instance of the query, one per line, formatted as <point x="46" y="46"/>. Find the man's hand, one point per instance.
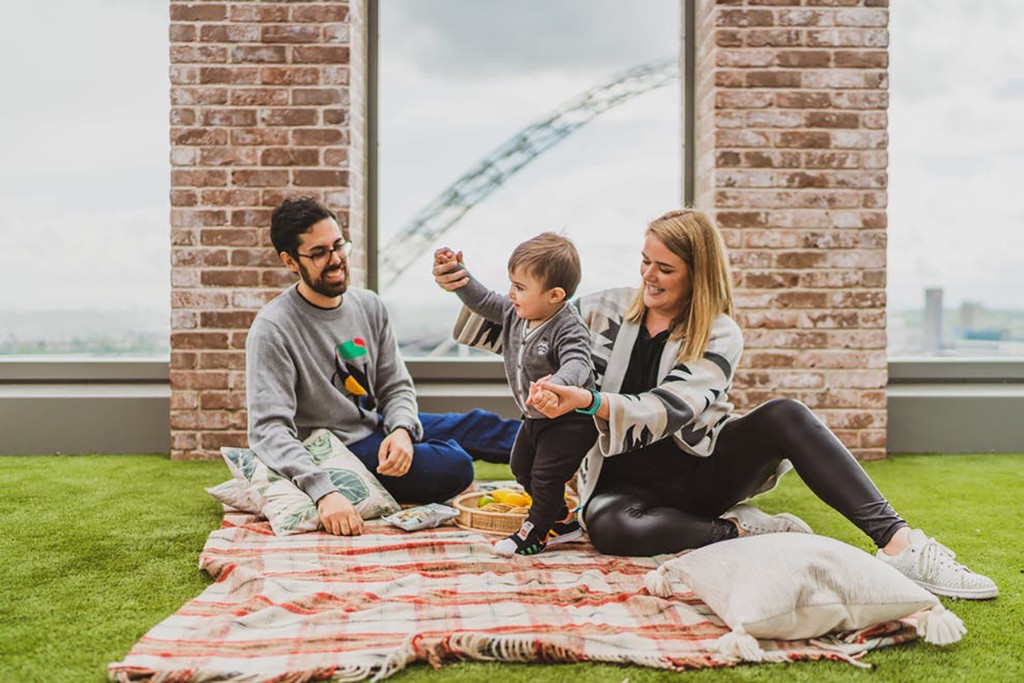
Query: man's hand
<point x="395" y="454"/>
<point x="448" y="271"/>
<point x="338" y="515"/>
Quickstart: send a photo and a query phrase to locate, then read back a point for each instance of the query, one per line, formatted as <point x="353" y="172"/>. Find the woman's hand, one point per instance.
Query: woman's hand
<point x="449" y="273"/>
<point x="555" y="400"/>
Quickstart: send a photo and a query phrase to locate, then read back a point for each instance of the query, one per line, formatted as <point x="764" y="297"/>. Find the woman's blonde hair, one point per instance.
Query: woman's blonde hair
<point x="691" y="236"/>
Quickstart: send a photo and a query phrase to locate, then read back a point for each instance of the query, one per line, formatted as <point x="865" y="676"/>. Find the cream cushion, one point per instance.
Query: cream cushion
<point x="288" y="509"/>
<point x="234" y="493"/>
<point x="792" y="586"/>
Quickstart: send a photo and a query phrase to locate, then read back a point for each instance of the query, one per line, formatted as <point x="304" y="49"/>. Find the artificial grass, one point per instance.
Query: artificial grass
<point x="97" y="549"/>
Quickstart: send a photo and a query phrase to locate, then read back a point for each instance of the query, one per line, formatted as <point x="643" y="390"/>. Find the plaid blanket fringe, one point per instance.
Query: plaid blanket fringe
<point x="316" y="607"/>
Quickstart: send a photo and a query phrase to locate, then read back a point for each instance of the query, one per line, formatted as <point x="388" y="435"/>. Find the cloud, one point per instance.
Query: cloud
<point x="1012" y="89"/>
<point x="959" y="232"/>
<point x="495" y="38"/>
<point x="85" y="179"/>
<point x="114" y="259"/>
<point x="600" y="186"/>
<point x="956" y="152"/>
<point x="953" y="164"/>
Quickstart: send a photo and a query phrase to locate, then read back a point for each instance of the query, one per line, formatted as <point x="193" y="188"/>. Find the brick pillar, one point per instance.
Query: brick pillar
<point x="791" y="160"/>
<point x="267" y="102"/>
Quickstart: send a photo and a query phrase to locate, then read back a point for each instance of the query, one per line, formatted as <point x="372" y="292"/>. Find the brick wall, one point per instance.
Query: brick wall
<point x="791" y="159"/>
<point x="267" y="102"/>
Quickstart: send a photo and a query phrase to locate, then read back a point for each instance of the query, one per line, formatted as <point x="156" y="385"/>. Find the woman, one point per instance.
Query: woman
<point x="672" y="461"/>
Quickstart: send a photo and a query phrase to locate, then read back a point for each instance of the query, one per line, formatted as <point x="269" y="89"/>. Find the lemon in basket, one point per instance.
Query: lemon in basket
<point x="513" y="498"/>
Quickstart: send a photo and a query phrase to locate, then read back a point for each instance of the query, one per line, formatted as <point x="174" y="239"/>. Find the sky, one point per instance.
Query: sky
<point x="85" y="173"/>
<point x="956" y="161"/>
<point x="455" y="85"/>
<point x="83" y="190"/>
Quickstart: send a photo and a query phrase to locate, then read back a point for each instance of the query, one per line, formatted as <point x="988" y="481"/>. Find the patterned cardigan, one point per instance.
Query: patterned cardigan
<point x="690" y="403"/>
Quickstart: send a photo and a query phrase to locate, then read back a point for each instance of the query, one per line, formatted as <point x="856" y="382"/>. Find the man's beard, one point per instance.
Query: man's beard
<point x="321" y="286"/>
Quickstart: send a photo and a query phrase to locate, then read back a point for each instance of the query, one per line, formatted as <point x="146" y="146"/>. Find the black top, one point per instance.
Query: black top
<point x="642" y="372"/>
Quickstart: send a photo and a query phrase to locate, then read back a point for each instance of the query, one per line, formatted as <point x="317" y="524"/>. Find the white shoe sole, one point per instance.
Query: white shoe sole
<point x="961" y="593"/>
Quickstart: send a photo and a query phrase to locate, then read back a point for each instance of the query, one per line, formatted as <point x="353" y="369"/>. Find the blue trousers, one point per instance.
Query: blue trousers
<point x="442" y="462"/>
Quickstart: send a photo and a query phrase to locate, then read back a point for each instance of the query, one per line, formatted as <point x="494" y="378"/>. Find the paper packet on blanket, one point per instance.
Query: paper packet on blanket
<point x="488" y="486"/>
<point x="422" y="517"/>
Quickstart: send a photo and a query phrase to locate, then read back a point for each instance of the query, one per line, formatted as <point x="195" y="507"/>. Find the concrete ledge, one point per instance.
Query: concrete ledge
<point x="956" y="371"/>
<point x="75" y="420"/>
<point x="954" y="405"/>
<point x="459" y="386"/>
<point x="121" y="406"/>
<point x="76" y="406"/>
<point x="967" y="419"/>
<point x="459" y="398"/>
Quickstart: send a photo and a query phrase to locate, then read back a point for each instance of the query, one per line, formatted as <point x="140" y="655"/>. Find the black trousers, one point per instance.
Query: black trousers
<point x="545" y="456"/>
<point x="660" y="499"/>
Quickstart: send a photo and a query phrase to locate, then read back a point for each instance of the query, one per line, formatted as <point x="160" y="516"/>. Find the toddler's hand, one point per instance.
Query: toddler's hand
<point x="545" y="402"/>
<point x="442" y="254"/>
<point x="445" y="255"/>
<point x="448" y="271"/>
<point x="555" y="400"/>
<point x="536" y="390"/>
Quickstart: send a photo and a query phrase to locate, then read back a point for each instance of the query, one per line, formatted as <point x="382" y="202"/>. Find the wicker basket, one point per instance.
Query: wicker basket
<point x="505" y="523"/>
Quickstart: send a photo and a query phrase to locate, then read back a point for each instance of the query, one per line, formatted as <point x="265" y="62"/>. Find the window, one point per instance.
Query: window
<point x="955" y="282"/>
<point x="497" y="121"/>
<point x="84" y="183"/>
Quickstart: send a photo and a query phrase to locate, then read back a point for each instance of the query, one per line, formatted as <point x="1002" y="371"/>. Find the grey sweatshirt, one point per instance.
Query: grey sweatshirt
<point x="560" y="346"/>
<point x="293" y="384"/>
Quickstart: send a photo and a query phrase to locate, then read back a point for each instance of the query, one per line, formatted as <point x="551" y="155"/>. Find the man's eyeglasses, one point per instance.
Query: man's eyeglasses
<point x="321" y="255"/>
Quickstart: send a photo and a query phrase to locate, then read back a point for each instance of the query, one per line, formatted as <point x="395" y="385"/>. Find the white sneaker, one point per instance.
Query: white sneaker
<point x="755" y="522"/>
<point x="932" y="566"/>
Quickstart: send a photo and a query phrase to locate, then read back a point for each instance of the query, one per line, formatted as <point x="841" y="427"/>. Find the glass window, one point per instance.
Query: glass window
<point x="84" y="179"/>
<point x="955" y="281"/>
<point x="498" y="121"/>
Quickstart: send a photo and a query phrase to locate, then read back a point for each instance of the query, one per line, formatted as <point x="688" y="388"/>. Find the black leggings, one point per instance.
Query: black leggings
<point x="660" y="499"/>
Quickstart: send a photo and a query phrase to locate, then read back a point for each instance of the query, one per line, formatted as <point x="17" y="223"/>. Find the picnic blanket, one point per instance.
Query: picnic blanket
<point x="315" y="607"/>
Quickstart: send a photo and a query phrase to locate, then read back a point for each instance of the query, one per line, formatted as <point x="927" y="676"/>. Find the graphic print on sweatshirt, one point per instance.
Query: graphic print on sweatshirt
<point x="351" y="359"/>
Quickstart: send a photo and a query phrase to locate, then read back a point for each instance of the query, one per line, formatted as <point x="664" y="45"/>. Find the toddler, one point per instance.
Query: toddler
<point x="542" y="336"/>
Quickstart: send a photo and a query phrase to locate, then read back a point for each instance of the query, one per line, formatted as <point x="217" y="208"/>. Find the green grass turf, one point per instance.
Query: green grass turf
<point x="95" y="550"/>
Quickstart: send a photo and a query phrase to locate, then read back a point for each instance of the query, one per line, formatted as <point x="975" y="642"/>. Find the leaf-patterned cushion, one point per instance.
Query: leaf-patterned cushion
<point x="288" y="509"/>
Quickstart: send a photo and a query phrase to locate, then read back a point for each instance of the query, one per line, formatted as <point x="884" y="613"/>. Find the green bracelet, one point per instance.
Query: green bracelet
<point x="594" y="405"/>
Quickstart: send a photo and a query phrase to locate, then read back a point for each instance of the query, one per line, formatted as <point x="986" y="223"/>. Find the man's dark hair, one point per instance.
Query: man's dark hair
<point x="294" y="217"/>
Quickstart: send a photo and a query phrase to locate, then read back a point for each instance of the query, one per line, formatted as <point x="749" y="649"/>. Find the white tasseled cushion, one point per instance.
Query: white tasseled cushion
<point x="235" y="494"/>
<point x="794" y="586"/>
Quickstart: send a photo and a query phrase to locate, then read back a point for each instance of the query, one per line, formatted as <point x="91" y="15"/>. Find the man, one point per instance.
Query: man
<point x="322" y="354"/>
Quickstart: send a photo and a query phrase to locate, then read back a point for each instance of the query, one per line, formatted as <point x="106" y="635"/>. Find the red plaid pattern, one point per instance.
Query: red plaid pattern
<point x="315" y="606"/>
